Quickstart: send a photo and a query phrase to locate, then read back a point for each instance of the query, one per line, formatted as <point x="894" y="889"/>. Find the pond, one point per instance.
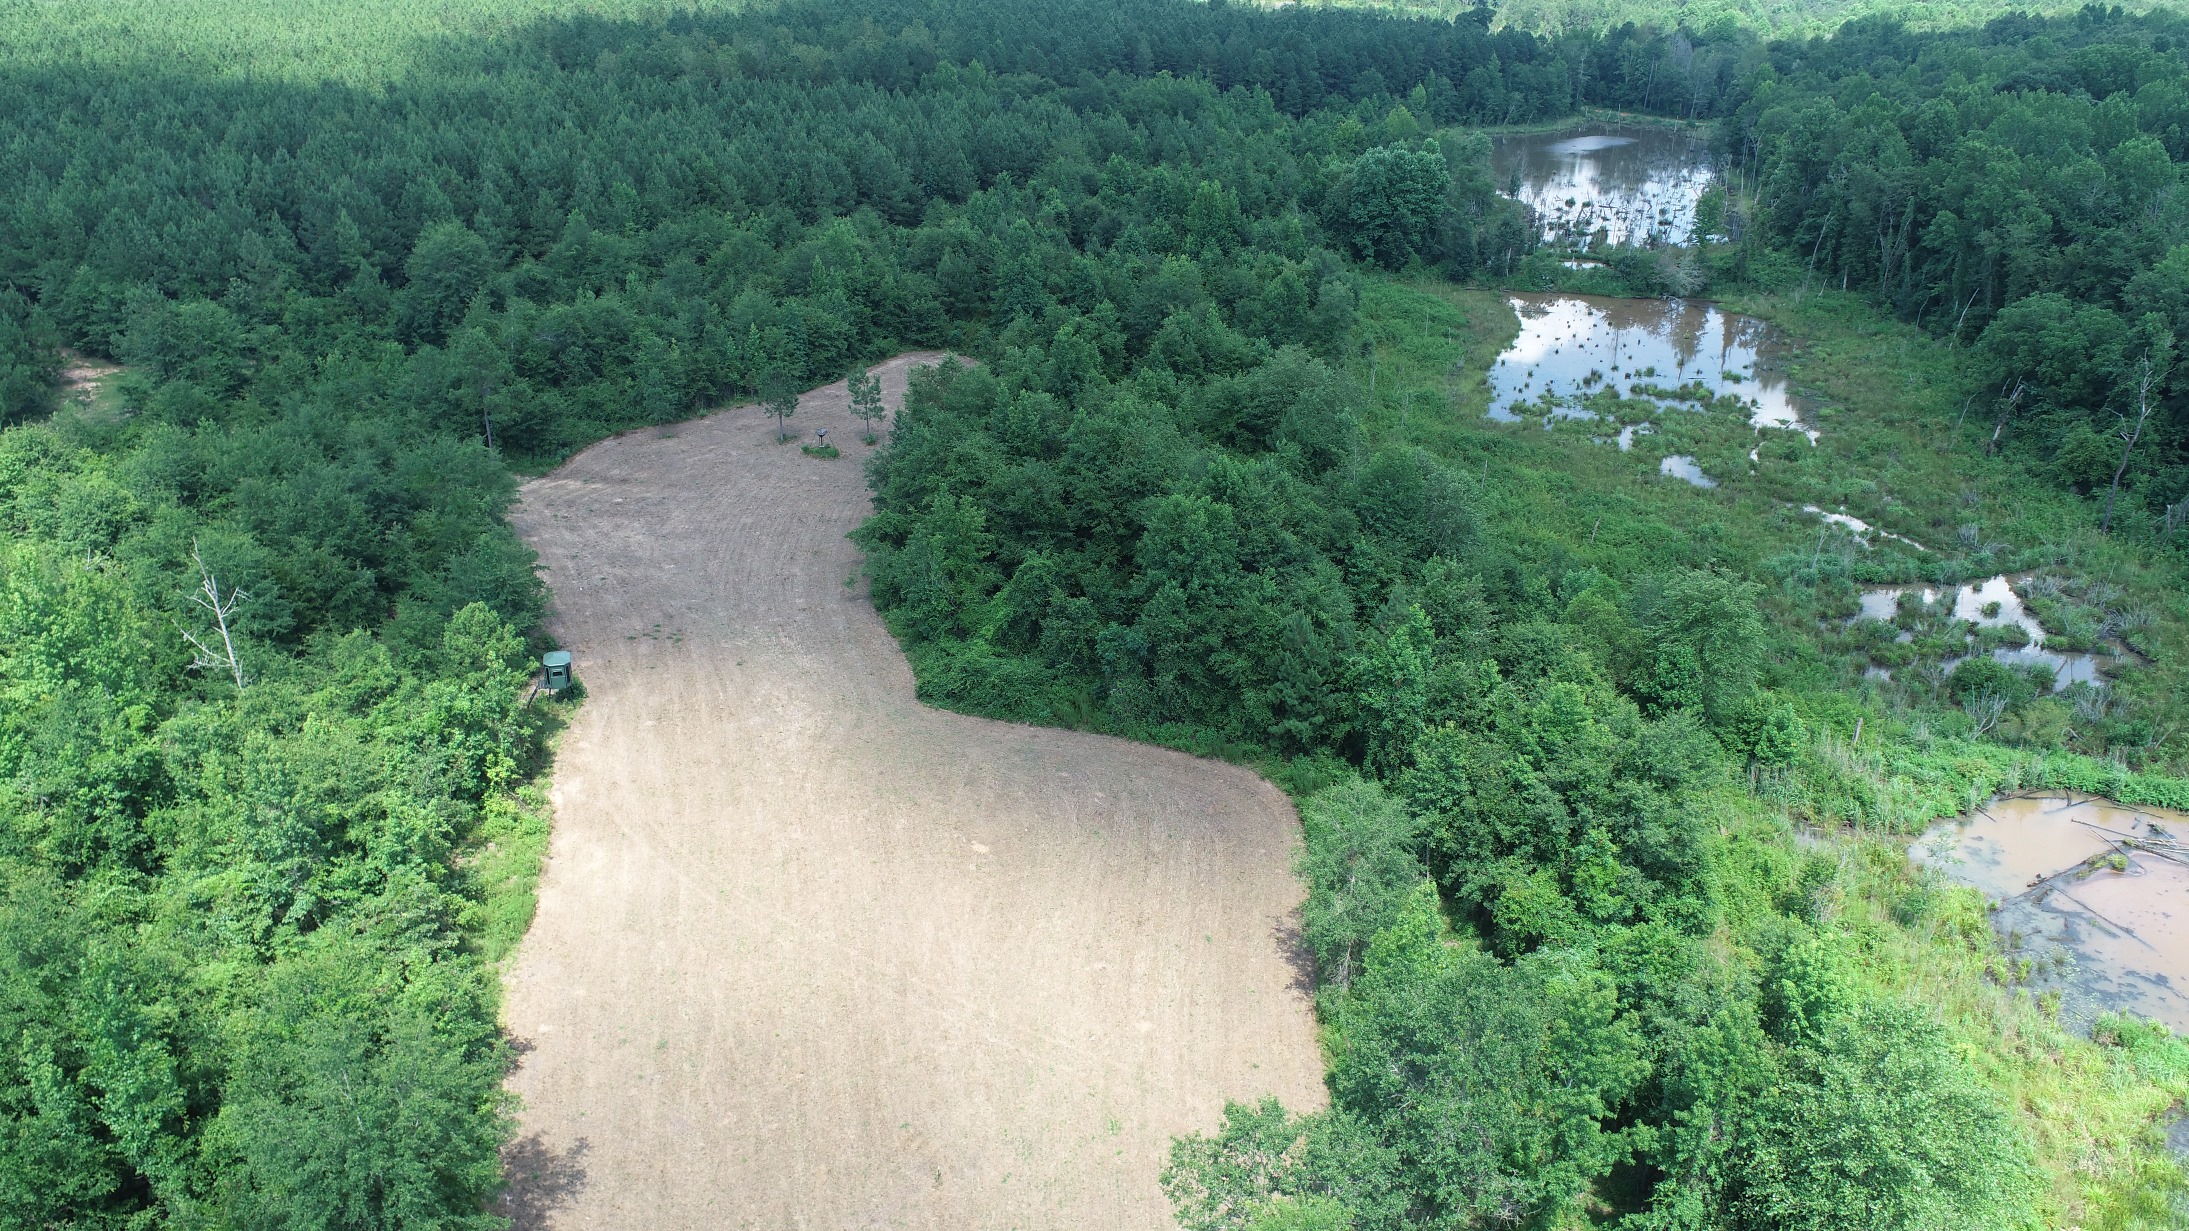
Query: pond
<point x="1606" y="183"/>
<point x="1681" y="466"/>
<point x="2092" y="894"/>
<point x="1572" y="346"/>
<point x="1993" y="603"/>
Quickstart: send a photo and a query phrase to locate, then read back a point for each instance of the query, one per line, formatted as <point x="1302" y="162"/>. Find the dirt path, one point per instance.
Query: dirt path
<point x="811" y="955"/>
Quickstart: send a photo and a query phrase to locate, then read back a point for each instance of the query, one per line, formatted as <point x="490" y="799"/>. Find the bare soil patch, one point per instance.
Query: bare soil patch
<point x="84" y="378"/>
<point x="812" y="955"/>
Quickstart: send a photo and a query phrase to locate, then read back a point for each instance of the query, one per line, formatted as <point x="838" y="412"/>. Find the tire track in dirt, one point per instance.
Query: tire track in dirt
<point x="811" y="955"/>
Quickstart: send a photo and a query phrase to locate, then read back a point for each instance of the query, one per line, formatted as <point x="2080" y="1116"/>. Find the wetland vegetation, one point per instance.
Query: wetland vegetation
<point x="1606" y="778"/>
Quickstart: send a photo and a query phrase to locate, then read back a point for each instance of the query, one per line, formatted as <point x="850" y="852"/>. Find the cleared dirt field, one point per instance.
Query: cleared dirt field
<point x="811" y="955"/>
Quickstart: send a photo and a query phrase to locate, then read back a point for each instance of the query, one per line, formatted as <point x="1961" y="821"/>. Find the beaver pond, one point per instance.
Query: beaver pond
<point x="1675" y="353"/>
<point x="2089" y="898"/>
<point x="1606" y="183"/>
<point x="1993" y="605"/>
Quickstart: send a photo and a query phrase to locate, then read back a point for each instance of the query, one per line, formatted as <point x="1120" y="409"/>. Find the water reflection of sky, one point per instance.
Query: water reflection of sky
<point x="1681" y="466"/>
<point x="1575" y="345"/>
<point x="1969" y="603"/>
<point x="1865" y="532"/>
<point x="1625" y="183"/>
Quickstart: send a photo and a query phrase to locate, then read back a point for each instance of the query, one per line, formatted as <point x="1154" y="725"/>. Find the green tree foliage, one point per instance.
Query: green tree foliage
<point x="1707" y="642"/>
<point x="1771" y="733"/>
<point x="447" y="266"/>
<point x="1466" y="1092"/>
<point x="2021" y="190"/>
<point x="363" y="1095"/>
<point x="1266" y="1166"/>
<point x="1386" y="205"/>
<point x="1493" y="1083"/>
<point x="231" y="929"/>
<point x="1303" y="1214"/>
<point x="779" y="397"/>
<point x="30" y="358"/>
<point x="1360" y="868"/>
<point x="241" y="973"/>
<point x="1876" y="1123"/>
<point x="865" y="389"/>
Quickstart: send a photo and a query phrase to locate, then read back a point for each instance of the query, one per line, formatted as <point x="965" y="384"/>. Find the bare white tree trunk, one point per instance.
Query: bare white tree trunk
<point x="223" y="608"/>
<point x="2006" y="411"/>
<point x="2148" y="375"/>
<point x="1985" y="711"/>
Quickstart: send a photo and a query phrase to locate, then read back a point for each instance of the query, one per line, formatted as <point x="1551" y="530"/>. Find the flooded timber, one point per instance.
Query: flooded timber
<point x="1605" y="184"/>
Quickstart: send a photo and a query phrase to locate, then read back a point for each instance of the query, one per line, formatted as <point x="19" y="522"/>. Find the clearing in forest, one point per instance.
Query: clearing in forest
<point x="810" y="954"/>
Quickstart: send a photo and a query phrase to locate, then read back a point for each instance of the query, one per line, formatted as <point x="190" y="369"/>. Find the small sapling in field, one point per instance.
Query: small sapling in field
<point x="779" y="397"/>
<point x="866" y="400"/>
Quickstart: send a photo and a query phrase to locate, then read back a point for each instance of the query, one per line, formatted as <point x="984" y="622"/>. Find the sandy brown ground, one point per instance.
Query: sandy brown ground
<point x="82" y="377"/>
<point x="811" y="955"/>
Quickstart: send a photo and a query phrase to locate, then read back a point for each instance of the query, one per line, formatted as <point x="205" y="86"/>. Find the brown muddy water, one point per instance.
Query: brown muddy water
<point x="2092" y="894"/>
<point x="1606" y="183"/>
<point x="1573" y="346"/>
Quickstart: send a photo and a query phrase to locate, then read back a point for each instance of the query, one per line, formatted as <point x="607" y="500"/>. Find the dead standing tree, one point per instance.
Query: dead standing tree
<point x="2006" y="412"/>
<point x="1984" y="711"/>
<point x="223" y="607"/>
<point x="2151" y="372"/>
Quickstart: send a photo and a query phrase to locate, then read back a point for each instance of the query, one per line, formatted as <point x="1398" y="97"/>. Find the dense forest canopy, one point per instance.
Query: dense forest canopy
<point x="252" y="892"/>
<point x="1766" y="18"/>
<point x="2018" y="188"/>
<point x="263" y="761"/>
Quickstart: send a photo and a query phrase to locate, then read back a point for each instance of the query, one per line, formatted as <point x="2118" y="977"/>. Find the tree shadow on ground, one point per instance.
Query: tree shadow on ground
<point x="541" y="1180"/>
<point x="1292" y="943"/>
